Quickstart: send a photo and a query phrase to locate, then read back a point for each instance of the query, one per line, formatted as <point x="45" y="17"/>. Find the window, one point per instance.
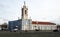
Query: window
<point x="25" y="12"/>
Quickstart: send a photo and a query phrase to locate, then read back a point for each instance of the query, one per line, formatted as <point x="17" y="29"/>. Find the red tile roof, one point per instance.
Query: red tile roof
<point x="44" y="23"/>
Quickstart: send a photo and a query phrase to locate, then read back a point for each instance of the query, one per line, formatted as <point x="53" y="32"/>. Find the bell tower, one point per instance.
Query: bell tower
<point x="24" y="11"/>
<point x="26" y="23"/>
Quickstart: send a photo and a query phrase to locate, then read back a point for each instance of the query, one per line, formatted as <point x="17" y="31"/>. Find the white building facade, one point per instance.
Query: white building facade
<point x="43" y="26"/>
<point x="28" y="24"/>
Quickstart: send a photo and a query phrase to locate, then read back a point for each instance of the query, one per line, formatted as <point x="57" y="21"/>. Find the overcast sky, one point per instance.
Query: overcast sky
<point x="38" y="10"/>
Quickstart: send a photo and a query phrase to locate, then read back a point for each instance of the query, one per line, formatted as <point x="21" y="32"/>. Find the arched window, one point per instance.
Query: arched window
<point x="25" y="12"/>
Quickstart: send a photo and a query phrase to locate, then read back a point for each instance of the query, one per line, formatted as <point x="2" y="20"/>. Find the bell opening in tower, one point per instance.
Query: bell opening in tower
<point x="25" y="12"/>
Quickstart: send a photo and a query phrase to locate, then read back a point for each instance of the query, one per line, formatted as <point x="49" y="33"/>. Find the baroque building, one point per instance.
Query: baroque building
<point x="22" y="24"/>
<point x="27" y="24"/>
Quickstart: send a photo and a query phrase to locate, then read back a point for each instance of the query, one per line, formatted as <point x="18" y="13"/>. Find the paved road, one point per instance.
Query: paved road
<point x="29" y="34"/>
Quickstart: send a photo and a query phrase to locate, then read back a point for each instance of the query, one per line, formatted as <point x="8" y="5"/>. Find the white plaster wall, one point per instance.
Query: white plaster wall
<point x="44" y="27"/>
<point x="26" y="24"/>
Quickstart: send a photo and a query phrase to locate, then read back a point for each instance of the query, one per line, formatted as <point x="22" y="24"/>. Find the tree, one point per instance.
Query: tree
<point x="4" y="26"/>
